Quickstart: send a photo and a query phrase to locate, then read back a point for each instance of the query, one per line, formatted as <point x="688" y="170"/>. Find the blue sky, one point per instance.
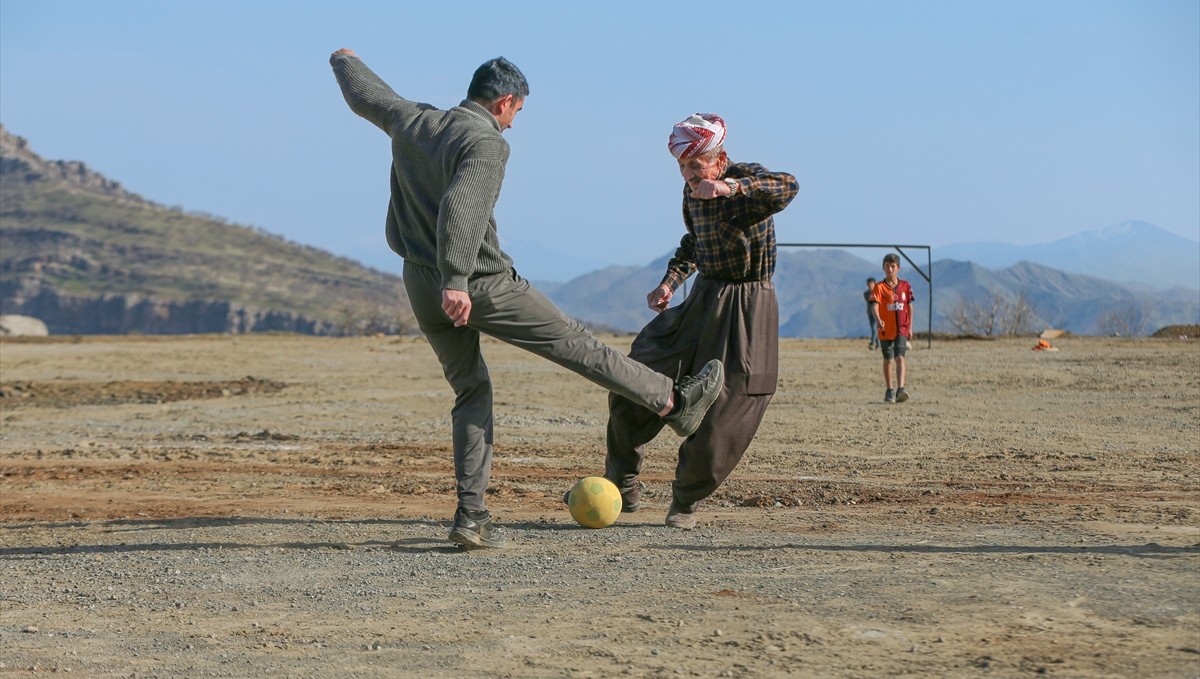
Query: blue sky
<point x="922" y="121"/>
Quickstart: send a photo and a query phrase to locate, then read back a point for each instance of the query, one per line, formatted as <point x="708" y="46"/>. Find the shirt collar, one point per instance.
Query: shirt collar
<point x="479" y="110"/>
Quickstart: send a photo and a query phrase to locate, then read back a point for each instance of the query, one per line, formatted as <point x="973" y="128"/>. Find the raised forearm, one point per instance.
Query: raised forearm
<point x="366" y="93"/>
<point x="773" y="190"/>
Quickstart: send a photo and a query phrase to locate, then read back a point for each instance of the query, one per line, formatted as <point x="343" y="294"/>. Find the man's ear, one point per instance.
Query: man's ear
<point x="499" y="104"/>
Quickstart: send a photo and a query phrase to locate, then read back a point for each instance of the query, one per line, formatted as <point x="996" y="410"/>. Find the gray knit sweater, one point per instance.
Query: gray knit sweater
<point x="447" y="167"/>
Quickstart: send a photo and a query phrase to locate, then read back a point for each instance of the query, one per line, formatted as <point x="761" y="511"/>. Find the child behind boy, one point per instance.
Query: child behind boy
<point x="872" y="319"/>
<point x="891" y="302"/>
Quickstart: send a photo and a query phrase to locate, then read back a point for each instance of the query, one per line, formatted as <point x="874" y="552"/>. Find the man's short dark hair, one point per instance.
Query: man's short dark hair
<point x="496" y="78"/>
<point x="891" y="258"/>
<point x="871" y="280"/>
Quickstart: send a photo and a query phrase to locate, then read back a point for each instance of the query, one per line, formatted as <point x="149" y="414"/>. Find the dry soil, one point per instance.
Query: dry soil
<point x="271" y="506"/>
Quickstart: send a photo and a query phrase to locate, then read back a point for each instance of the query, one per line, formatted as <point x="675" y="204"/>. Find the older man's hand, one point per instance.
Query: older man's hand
<point x="660" y="298"/>
<point x="711" y="188"/>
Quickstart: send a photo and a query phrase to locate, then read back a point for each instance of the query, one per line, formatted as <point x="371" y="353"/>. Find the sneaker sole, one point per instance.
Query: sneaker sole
<point x="902" y="397"/>
<point x="466" y="539"/>
<point x="681" y="521"/>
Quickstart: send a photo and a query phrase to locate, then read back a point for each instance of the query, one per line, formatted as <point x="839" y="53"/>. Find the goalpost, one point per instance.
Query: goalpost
<point x="927" y="273"/>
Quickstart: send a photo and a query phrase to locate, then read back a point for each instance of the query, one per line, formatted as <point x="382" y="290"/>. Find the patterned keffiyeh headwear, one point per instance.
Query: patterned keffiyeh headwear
<point x="700" y="133"/>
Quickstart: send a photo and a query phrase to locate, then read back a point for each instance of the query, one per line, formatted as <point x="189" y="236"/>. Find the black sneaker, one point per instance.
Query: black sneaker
<point x="480" y="531"/>
<point x="695" y="395"/>
<point x="889" y="396"/>
<point x="631" y="499"/>
<point x="901" y="395"/>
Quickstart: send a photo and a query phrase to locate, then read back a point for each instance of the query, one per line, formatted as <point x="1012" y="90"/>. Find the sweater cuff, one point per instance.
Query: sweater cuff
<point x="455" y="283"/>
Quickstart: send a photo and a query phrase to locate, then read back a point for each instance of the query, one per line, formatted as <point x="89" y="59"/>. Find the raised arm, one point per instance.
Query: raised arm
<point x="365" y="92"/>
<point x="770" y="191"/>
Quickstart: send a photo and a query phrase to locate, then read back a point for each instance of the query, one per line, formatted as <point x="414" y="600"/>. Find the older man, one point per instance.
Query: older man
<point x="730" y="315"/>
<point x="447" y="167"/>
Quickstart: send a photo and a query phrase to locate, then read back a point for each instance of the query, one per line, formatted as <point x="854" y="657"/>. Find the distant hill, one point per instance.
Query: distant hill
<point x="1135" y="253"/>
<point x="88" y="257"/>
<point x="820" y="295"/>
<point x="537" y="262"/>
<point x="1062" y="300"/>
<point x="613" y="297"/>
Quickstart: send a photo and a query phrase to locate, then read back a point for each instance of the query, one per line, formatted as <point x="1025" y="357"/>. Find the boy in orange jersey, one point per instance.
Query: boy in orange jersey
<point x="891" y="302"/>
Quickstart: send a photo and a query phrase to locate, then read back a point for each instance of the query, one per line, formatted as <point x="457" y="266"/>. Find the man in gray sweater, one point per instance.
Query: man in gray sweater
<point x="447" y="168"/>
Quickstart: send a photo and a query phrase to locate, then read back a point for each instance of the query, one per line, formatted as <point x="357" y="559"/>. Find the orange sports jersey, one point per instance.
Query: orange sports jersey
<point x="895" y="308"/>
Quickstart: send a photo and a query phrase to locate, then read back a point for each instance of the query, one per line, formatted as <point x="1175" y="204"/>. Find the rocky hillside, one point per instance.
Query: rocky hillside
<point x="86" y="256"/>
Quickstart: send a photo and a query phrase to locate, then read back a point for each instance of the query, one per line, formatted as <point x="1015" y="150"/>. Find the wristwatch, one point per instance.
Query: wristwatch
<point x="733" y="187"/>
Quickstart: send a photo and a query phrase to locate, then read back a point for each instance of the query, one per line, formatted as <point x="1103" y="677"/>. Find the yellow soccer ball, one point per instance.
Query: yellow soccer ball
<point x="595" y="502"/>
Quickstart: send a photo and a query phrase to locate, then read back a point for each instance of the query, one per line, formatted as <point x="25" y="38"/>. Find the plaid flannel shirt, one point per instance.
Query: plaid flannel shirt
<point x="733" y="238"/>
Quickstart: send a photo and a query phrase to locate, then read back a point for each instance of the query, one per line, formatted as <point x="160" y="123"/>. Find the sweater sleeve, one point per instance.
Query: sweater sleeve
<point x="365" y="93"/>
<point x="465" y="213"/>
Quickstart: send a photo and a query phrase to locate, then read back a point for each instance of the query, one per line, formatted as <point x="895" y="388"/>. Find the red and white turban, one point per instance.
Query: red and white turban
<point x="700" y="133"/>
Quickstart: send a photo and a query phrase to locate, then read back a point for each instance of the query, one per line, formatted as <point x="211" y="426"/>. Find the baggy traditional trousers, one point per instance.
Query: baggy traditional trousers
<point x="737" y="323"/>
<point x="507" y="307"/>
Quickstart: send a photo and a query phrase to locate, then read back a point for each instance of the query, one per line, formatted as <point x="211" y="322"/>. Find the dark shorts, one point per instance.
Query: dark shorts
<point x="893" y="348"/>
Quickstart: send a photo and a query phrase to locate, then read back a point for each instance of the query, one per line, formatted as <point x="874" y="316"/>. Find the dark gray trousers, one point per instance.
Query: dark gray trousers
<point x="506" y="307"/>
<point x="737" y="323"/>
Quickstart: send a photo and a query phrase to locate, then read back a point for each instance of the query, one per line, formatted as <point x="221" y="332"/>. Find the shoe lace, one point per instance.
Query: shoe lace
<point x="682" y="387"/>
<point x="691" y="380"/>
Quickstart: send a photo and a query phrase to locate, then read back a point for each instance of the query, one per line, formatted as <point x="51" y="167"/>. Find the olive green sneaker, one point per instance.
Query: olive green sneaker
<point x="694" y="396"/>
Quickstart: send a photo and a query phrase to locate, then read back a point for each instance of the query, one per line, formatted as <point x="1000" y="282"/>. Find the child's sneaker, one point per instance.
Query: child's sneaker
<point x="889" y="396"/>
<point x="901" y="395"/>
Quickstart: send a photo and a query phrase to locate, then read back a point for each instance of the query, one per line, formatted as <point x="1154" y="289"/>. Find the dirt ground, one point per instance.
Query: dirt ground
<point x="277" y="506"/>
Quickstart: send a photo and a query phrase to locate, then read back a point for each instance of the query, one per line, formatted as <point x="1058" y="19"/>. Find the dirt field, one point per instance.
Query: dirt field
<point x="270" y="506"/>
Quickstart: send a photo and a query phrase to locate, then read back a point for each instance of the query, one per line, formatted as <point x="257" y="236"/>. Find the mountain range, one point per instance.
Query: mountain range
<point x="1135" y="253"/>
<point x="86" y="256"/>
<point x="820" y="295"/>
